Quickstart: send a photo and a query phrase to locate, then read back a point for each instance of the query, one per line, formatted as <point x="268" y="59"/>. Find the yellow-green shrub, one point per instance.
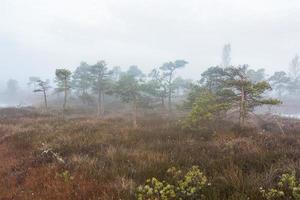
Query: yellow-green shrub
<point x="180" y="186"/>
<point x="287" y="188"/>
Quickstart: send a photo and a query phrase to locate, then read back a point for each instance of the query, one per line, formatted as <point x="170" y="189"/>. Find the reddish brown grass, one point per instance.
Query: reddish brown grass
<point x="107" y="159"/>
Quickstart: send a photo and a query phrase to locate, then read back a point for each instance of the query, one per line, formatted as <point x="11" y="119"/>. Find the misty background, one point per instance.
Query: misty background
<point x="37" y="36"/>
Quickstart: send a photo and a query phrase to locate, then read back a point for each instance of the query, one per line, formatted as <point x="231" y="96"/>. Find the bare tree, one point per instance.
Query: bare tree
<point x="294" y="74"/>
<point x="226" y="55"/>
<point x="295" y="67"/>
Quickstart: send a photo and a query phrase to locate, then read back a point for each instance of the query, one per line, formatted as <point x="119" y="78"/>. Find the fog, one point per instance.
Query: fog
<point x="150" y="99"/>
<point x="36" y="37"/>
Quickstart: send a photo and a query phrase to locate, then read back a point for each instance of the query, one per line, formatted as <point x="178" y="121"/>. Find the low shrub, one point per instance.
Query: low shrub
<point x="287" y="188"/>
<point x="188" y="186"/>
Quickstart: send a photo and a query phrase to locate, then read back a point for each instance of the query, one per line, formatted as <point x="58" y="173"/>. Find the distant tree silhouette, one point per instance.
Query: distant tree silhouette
<point x="100" y="83"/>
<point x="12" y="87"/>
<point x="226" y="56"/>
<point x="129" y="88"/>
<point x="169" y="70"/>
<point x="63" y="82"/>
<point x="43" y="87"/>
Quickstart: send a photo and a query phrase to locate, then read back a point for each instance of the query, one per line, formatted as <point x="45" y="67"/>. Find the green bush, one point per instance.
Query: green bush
<point x="207" y="109"/>
<point x="188" y="186"/>
<point x="287" y="188"/>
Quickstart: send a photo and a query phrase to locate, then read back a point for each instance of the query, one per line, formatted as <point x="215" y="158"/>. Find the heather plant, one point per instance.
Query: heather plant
<point x="184" y="186"/>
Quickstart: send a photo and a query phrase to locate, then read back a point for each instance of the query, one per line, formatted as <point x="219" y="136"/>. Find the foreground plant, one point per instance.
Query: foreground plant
<point x="188" y="186"/>
<point x="287" y="188"/>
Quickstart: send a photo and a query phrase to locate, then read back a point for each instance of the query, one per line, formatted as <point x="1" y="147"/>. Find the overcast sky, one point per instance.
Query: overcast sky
<point x="38" y="36"/>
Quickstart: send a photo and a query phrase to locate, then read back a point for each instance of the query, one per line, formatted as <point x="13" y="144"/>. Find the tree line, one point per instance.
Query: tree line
<point x="220" y="88"/>
<point x="96" y="81"/>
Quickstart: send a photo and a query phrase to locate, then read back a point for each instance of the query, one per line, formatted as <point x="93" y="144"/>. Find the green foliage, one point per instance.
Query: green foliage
<point x="170" y="67"/>
<point x="168" y="72"/>
<point x="213" y="78"/>
<point x="233" y="87"/>
<point x="157" y="86"/>
<point x="116" y="73"/>
<point x="181" y="85"/>
<point x="205" y="110"/>
<point x="188" y="186"/>
<point x="33" y="81"/>
<point x="43" y="87"/>
<point x="255" y="94"/>
<point x="280" y="82"/>
<point x="82" y="81"/>
<point x="287" y="188"/>
<point x="256" y="76"/>
<point x="193" y="95"/>
<point x="128" y="88"/>
<point x="246" y="94"/>
<point x="134" y="71"/>
<point x="100" y="76"/>
<point x="155" y="189"/>
<point x="62" y="79"/>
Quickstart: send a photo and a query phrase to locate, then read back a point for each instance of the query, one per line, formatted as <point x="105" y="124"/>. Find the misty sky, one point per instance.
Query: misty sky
<point x="37" y="36"/>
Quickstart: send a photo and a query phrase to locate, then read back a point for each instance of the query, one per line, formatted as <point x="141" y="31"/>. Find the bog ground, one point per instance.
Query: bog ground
<point x="45" y="157"/>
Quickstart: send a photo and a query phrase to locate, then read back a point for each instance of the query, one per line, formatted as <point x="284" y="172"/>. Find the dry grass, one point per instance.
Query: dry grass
<point x="106" y="159"/>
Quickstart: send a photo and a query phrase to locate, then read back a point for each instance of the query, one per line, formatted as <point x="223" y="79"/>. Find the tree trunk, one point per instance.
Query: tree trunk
<point x="45" y="100"/>
<point x="134" y="114"/>
<point x="83" y="96"/>
<point x="280" y="93"/>
<point x="66" y="93"/>
<point x="163" y="102"/>
<point x="242" y="108"/>
<point x="99" y="104"/>
<point x="170" y="92"/>
<point x="102" y="104"/>
<point x="170" y="100"/>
